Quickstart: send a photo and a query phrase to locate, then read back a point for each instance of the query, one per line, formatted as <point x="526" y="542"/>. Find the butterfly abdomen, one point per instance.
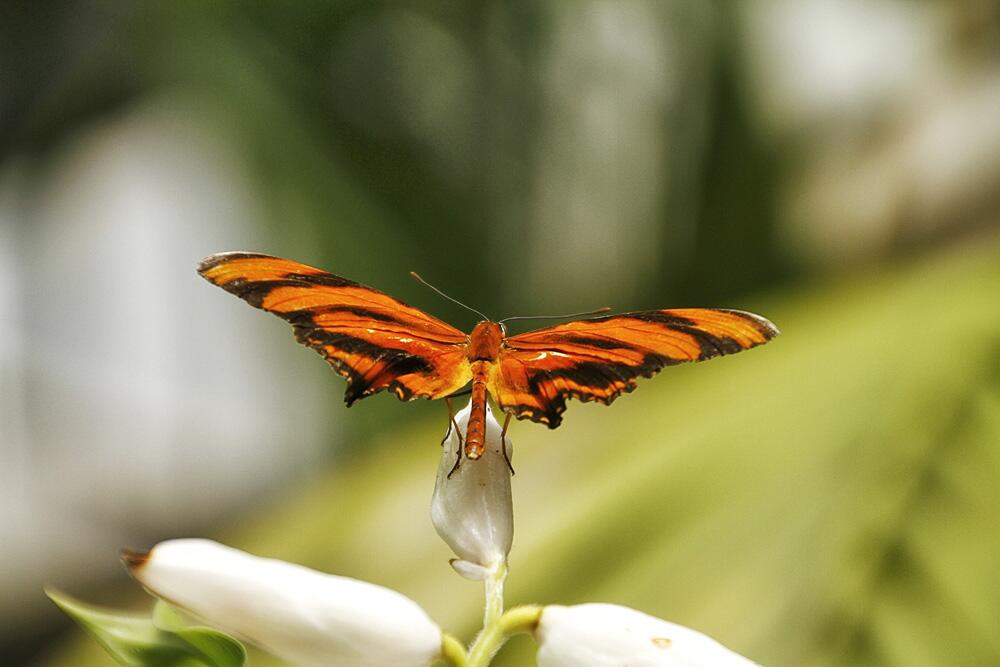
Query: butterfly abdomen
<point x="475" y="435"/>
<point x="482" y="351"/>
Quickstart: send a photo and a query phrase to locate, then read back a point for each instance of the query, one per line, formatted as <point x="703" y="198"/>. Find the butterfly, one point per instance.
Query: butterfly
<point x="378" y="343"/>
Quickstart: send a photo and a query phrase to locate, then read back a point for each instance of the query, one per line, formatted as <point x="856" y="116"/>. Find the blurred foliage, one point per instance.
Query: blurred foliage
<point x="829" y="499"/>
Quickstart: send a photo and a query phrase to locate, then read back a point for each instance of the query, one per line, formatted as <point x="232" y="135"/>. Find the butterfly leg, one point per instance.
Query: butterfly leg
<point x="503" y="443"/>
<point x="452" y="424"/>
<point x="451" y="421"/>
<point x="458" y="460"/>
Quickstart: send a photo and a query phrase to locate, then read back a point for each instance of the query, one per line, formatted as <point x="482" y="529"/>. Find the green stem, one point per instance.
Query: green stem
<point x="494" y="593"/>
<point x="490" y="639"/>
<point x="494" y="636"/>
<point x="521" y="619"/>
<point x="453" y="652"/>
<point x="498" y="627"/>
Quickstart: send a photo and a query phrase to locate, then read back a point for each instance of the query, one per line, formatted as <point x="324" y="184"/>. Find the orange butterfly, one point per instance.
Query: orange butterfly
<point x="380" y="343"/>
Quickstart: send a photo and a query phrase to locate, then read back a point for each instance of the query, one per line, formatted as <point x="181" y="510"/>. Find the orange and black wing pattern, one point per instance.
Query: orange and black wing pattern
<point x="375" y="341"/>
<point x="599" y="359"/>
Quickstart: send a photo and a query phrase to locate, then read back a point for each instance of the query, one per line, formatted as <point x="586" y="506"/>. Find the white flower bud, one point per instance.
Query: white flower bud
<point x="299" y="615"/>
<point x="472" y="510"/>
<point x="607" y="635"/>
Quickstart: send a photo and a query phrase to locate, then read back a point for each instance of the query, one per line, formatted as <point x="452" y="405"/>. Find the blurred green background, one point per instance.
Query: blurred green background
<point x="829" y="499"/>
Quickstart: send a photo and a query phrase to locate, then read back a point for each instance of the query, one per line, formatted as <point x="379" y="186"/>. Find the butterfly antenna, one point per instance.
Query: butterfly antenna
<point x="599" y="311"/>
<point x="416" y="276"/>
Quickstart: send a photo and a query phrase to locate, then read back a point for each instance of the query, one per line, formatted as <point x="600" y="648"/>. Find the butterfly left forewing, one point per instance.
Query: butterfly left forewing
<point x="372" y="339"/>
<point x="601" y="358"/>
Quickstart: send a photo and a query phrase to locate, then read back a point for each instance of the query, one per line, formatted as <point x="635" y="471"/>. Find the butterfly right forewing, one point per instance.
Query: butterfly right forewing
<point x="601" y="358"/>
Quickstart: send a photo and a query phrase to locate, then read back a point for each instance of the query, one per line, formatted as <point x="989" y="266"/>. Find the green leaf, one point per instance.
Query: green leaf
<point x="163" y="641"/>
<point x="167" y="618"/>
<point x="219" y="648"/>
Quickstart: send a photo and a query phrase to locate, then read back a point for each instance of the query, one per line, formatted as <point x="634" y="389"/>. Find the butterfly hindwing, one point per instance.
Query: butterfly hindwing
<point x="375" y="341"/>
<point x="599" y="359"/>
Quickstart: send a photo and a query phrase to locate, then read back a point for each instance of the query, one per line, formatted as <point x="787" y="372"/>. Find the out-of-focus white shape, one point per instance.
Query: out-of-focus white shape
<point x="147" y="399"/>
<point x="609" y="75"/>
<point x="19" y="555"/>
<point x="827" y="60"/>
<point x="952" y="150"/>
<point x="940" y="167"/>
<point x="607" y="635"/>
<point x="472" y="510"/>
<point x="897" y="130"/>
<point x="168" y="387"/>
<point x="299" y="615"/>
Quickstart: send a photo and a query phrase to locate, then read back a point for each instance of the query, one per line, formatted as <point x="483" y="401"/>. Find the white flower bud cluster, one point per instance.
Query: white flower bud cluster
<point x="308" y="618"/>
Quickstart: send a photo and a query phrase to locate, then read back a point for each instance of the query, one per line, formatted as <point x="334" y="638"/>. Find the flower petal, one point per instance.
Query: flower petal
<point x="472" y="509"/>
<point x="607" y="635"/>
<point x="300" y="615"/>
